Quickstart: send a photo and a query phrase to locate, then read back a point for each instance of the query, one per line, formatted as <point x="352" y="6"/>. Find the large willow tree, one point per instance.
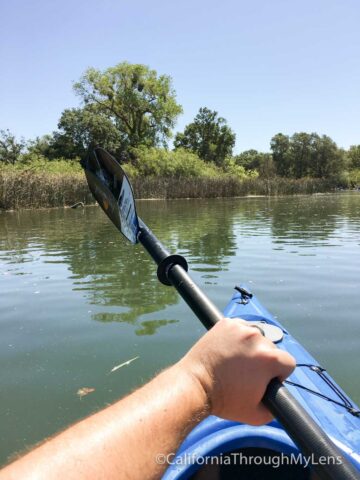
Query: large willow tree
<point x="140" y="103"/>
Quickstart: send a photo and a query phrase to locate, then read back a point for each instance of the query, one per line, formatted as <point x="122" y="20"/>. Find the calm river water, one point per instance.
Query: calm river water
<point x="76" y="300"/>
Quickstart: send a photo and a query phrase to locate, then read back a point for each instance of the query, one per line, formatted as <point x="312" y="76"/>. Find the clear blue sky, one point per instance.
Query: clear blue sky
<point x="267" y="66"/>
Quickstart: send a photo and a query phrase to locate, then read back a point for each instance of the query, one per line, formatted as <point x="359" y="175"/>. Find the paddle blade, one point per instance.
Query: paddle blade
<point x="112" y="190"/>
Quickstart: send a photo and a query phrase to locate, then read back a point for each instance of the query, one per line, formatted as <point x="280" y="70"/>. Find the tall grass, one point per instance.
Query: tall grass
<point x="33" y="189"/>
<point x="41" y="190"/>
<point x="226" y="186"/>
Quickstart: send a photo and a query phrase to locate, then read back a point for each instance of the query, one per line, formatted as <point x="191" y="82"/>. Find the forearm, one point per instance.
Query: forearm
<point x="229" y="367"/>
<point x="123" y="440"/>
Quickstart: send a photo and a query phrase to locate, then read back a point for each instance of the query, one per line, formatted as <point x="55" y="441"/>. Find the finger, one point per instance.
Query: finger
<point x="285" y="365"/>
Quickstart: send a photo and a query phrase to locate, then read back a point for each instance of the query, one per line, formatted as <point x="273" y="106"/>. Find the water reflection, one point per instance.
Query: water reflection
<point x="121" y="280"/>
<point x="206" y="235"/>
<point x="76" y="299"/>
<point x="111" y="274"/>
<point x="313" y="220"/>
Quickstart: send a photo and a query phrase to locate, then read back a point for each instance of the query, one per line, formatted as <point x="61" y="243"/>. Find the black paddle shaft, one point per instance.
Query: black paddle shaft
<point x="325" y="457"/>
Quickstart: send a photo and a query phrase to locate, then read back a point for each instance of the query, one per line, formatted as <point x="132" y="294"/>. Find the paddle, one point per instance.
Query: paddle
<point x="112" y="189"/>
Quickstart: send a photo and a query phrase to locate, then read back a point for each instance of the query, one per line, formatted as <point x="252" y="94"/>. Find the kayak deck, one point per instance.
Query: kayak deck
<point x="310" y="384"/>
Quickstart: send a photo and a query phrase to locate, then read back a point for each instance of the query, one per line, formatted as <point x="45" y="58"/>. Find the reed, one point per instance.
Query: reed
<point x="19" y="190"/>
<point x="226" y="186"/>
<point x="41" y="190"/>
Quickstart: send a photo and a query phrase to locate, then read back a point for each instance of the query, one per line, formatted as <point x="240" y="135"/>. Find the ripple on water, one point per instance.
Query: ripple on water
<point x="98" y="299"/>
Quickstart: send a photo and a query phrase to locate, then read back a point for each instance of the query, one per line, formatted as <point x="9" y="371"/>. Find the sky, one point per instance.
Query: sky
<point x="266" y="66"/>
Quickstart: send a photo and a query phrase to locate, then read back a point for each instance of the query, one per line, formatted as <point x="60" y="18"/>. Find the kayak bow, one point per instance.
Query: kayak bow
<point x="267" y="451"/>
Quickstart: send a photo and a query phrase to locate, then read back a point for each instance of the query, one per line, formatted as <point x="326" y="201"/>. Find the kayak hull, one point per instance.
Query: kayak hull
<point x="218" y="440"/>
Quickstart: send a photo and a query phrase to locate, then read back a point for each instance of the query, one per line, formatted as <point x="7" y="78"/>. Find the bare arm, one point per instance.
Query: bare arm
<point x="225" y="373"/>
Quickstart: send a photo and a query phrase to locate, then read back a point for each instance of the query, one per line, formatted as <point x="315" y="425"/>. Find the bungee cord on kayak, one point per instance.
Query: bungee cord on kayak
<point x="346" y="403"/>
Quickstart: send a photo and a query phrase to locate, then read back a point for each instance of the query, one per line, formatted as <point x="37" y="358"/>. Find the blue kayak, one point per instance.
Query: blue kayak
<point x="221" y="449"/>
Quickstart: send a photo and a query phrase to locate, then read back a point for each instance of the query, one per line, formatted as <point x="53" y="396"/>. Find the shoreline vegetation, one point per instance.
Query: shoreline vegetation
<point x="27" y="189"/>
<point x="131" y="111"/>
<point x="36" y="182"/>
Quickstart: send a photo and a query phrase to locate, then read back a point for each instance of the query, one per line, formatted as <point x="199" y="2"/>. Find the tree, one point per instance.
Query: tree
<point x="280" y="146"/>
<point x="140" y="105"/>
<point x="249" y="159"/>
<point x="82" y="127"/>
<point x="354" y="156"/>
<point x="79" y="128"/>
<point x="252" y="159"/>
<point x="266" y="166"/>
<point x="328" y="160"/>
<point x="208" y="136"/>
<point x="306" y="154"/>
<point x="10" y="148"/>
<point x="40" y="146"/>
<point x="301" y="153"/>
<point x="259" y="161"/>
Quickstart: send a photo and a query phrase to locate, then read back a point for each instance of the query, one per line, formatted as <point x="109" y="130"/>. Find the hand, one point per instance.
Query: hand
<point x="234" y="363"/>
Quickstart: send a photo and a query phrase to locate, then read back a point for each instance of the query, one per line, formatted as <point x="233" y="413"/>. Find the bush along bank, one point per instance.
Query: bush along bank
<point x="155" y="173"/>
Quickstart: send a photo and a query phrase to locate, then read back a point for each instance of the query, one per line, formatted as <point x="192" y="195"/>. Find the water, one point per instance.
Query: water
<point x="76" y="300"/>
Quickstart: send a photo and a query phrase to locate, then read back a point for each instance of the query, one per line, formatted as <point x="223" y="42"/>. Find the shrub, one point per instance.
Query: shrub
<point x="232" y="168"/>
<point x="151" y="162"/>
<point x="32" y="162"/>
